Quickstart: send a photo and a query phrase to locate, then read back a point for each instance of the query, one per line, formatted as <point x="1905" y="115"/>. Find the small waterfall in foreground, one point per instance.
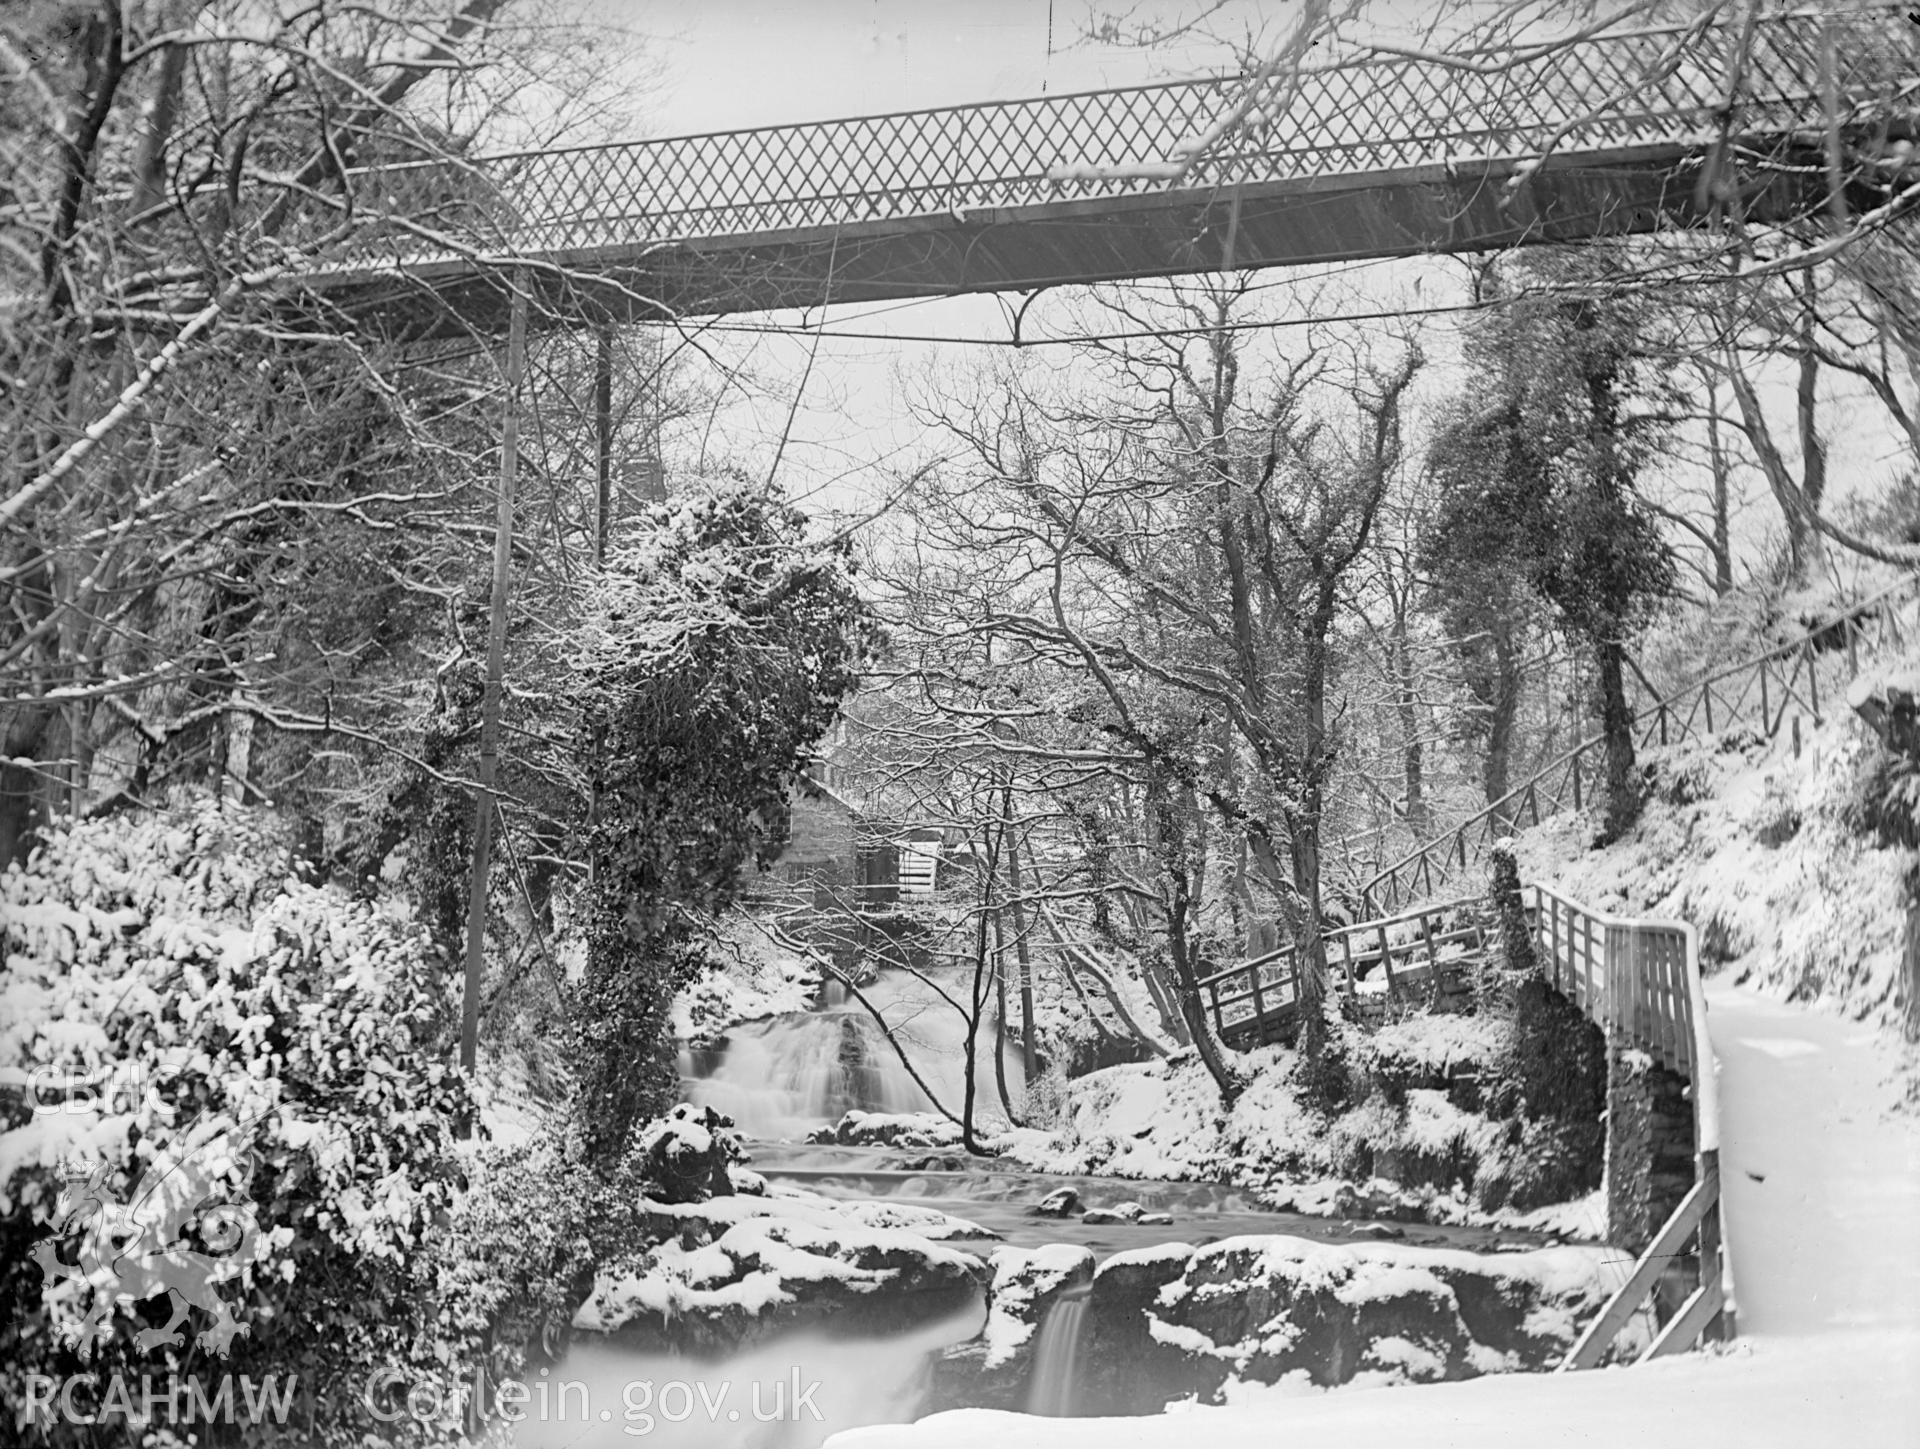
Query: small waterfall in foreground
<point x="1056" y="1358"/>
<point x="780" y="1077"/>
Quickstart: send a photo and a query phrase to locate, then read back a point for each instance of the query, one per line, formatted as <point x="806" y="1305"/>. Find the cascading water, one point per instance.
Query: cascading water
<point x="1056" y="1357"/>
<point x="780" y="1077"/>
<point x="783" y="1075"/>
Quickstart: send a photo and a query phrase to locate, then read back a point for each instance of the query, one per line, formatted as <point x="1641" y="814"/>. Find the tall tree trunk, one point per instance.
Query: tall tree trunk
<point x="1813" y="447"/>
<point x="157" y="114"/>
<point x="1193" y="1010"/>
<point x="1166" y="1001"/>
<point x="1022" y="950"/>
<point x="1616" y="726"/>
<point x="977" y="994"/>
<point x="1170" y="828"/>
<point x="1722" y="521"/>
<point x="1310" y="958"/>
<point x="1406" y="705"/>
<point x="1000" y="1018"/>
<point x="1504" y="706"/>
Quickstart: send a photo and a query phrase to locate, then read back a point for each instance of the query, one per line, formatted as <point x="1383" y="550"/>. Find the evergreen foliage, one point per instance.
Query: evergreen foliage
<point x="1562" y="413"/>
<point x="718" y="649"/>
<point x="295" y="1033"/>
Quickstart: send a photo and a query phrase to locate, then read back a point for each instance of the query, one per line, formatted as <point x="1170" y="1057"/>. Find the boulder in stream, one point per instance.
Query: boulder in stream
<point x="1060" y="1203"/>
<point x="1123" y="1365"/>
<point x="1175" y="1321"/>
<point x="687" y="1152"/>
<point x="889" y="1129"/>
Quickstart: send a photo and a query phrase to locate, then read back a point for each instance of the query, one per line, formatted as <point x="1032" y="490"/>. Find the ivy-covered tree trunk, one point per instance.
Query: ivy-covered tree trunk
<point x="718" y="649"/>
<point x="1616" y="727"/>
<point x="622" y="1027"/>
<point x="1504" y="705"/>
<point x="1540" y="466"/>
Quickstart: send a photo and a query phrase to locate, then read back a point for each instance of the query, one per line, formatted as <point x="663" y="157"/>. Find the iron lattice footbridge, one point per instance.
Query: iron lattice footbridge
<point x="1384" y="156"/>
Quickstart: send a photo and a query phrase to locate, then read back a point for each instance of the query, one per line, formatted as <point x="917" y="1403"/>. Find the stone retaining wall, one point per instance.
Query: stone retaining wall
<point x="1650" y="1145"/>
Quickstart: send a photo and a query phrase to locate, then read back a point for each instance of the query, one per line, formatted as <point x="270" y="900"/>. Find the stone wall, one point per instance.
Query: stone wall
<point x="1650" y="1145"/>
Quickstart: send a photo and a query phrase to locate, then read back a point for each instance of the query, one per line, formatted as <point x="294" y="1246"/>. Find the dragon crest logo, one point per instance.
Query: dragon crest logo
<point x="178" y="1234"/>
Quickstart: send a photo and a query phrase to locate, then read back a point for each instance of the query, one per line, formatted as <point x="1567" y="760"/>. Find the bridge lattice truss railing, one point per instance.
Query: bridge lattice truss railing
<point x="1802" y="677"/>
<point x="1611" y="93"/>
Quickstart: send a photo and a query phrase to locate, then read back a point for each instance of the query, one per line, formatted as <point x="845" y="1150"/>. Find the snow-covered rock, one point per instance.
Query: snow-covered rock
<point x="734" y="1270"/>
<point x="687" y="1152"/>
<point x="1176" y="1321"/>
<point x="889" y="1129"/>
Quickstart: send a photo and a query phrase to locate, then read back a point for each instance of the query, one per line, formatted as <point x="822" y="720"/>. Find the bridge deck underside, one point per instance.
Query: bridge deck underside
<point x="1430" y="209"/>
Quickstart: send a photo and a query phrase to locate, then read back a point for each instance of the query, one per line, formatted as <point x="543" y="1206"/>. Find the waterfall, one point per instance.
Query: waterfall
<point x="1056" y="1358"/>
<point x="781" y="1076"/>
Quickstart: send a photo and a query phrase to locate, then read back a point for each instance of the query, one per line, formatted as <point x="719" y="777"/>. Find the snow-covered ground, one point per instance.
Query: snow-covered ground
<point x="1823" y="1201"/>
<point x="1761" y="848"/>
<point x="1162" y="1121"/>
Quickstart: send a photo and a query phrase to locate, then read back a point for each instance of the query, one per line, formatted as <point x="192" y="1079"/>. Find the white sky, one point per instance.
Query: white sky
<point x="735" y="63"/>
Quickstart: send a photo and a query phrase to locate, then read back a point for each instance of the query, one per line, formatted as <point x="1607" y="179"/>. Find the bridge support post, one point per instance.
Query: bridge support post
<point x="489" y="766"/>
<point x="602" y="440"/>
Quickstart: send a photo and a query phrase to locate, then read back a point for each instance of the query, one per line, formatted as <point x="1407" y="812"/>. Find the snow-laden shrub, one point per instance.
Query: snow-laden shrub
<point x="1679" y="777"/>
<point x="293" y="1041"/>
<point x="1046" y="1100"/>
<point x="1881" y="801"/>
<point x="531" y="1233"/>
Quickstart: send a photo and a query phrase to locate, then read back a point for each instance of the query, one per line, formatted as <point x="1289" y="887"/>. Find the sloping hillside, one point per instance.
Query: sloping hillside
<point x="1777" y="856"/>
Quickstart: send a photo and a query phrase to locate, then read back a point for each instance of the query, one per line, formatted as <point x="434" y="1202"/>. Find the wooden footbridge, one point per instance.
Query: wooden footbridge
<point x="1372" y="156"/>
<point x="1638" y="980"/>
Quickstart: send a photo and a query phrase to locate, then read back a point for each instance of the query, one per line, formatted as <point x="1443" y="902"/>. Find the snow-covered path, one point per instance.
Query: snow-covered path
<point x="1823" y="1184"/>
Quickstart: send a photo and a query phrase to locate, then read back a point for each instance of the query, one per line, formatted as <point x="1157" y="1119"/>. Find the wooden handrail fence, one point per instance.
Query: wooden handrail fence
<point x="1636" y="979"/>
<point x="1639" y="981"/>
<point x="1418" y="953"/>
<point x="1768" y="692"/>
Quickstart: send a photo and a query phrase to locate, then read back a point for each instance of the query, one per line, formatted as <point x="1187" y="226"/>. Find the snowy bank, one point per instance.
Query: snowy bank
<point x="1765" y="853"/>
<point x="1410" y="1146"/>
<point x="731" y="1271"/>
